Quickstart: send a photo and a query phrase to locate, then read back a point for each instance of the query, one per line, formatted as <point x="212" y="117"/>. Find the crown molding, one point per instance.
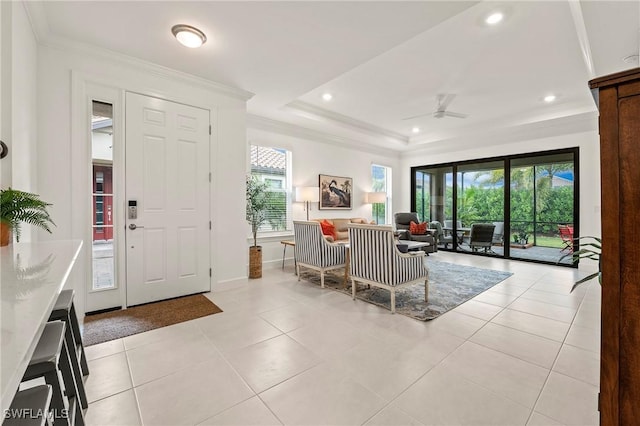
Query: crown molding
<point x="148" y="67"/>
<point x="38" y="20"/>
<point x="577" y="123"/>
<point x="314" y="112"/>
<point x="270" y="125"/>
<point x="40" y="26"/>
<point x="583" y="36"/>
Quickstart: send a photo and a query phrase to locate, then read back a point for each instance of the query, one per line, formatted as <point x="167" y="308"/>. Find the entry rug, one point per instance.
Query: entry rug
<point x="113" y="325"/>
<point x="450" y="285"/>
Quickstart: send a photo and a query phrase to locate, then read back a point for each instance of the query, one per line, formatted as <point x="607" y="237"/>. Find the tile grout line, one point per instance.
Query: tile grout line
<point x="553" y="365"/>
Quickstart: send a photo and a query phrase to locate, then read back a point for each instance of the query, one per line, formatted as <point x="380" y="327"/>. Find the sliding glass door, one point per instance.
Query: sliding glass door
<point x="433" y="193"/>
<point x="480" y="207"/>
<point x="542" y="202"/>
<point x="521" y="206"/>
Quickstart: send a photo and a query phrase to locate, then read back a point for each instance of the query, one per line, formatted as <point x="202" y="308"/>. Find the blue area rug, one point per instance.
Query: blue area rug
<point x="450" y="285"/>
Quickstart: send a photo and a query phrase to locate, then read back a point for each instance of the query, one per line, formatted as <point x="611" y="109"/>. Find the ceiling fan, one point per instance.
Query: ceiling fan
<point x="443" y="101"/>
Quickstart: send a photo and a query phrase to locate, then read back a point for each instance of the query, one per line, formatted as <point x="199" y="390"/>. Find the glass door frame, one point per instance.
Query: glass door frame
<point x="506" y="159"/>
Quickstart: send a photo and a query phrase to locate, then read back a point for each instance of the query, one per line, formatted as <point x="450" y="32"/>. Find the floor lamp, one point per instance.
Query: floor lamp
<point x="376" y="198"/>
<point x="307" y="194"/>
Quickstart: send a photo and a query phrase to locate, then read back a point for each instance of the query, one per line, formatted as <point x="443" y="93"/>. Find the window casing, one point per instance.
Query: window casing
<point x="273" y="166"/>
<point x="381" y="182"/>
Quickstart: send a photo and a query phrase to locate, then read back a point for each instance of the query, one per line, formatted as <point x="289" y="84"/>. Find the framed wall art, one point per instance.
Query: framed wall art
<point x="335" y="192"/>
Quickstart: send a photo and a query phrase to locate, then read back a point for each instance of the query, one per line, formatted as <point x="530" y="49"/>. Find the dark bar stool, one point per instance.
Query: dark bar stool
<point x="64" y="310"/>
<point x="50" y="360"/>
<point x="30" y="407"/>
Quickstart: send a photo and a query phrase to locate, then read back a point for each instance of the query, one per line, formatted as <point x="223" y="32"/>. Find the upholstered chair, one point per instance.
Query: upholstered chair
<point x="375" y="260"/>
<point x="313" y="251"/>
<point x="402" y="223"/>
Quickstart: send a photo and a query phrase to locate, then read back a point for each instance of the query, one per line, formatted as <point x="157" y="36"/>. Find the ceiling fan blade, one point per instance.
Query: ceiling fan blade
<point x="416" y="116"/>
<point x="444" y="100"/>
<point x="455" y="114"/>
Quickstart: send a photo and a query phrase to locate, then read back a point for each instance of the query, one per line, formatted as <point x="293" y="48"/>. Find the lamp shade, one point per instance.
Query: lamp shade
<point x="376" y="197"/>
<point x="308" y="193"/>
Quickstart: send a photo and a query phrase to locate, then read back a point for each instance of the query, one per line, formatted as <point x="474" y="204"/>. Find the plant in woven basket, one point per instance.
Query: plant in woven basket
<point x="17" y="207"/>
<point x="258" y="197"/>
<point x="591" y="250"/>
<point x="258" y="203"/>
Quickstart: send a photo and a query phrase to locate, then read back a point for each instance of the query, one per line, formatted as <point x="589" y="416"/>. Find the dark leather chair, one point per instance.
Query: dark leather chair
<point x="402" y="221"/>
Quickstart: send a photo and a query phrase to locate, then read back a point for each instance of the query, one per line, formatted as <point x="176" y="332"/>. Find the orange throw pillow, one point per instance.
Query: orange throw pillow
<point x="328" y="229"/>
<point x="418" y="228"/>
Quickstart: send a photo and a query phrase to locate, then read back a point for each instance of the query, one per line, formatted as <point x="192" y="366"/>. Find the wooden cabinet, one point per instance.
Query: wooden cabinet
<point x="618" y="98"/>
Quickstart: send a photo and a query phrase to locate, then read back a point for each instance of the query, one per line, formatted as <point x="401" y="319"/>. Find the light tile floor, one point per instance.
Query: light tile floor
<point x="525" y="352"/>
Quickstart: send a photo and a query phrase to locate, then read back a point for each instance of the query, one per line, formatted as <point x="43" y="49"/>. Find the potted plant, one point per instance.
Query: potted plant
<point x="590" y="250"/>
<point x="258" y="198"/>
<point x="17" y="207"/>
<point x="524" y="238"/>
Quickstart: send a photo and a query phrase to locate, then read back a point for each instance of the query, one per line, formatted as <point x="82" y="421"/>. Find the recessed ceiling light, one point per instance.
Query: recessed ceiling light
<point x="188" y="36"/>
<point x="416" y="130"/>
<point x="494" y="18"/>
<point x="327" y="96"/>
<point x="550" y="98"/>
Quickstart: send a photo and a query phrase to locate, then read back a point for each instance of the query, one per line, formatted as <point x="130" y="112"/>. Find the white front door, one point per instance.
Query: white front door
<point x="167" y="199"/>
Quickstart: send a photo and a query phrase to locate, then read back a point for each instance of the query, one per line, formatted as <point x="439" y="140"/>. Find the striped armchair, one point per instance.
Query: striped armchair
<point x="313" y="251"/>
<point x="375" y="260"/>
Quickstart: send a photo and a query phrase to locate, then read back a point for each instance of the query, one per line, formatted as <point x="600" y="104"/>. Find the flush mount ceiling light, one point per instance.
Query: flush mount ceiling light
<point x="549" y="98"/>
<point x="327" y="96"/>
<point x="494" y="18"/>
<point x="188" y="36"/>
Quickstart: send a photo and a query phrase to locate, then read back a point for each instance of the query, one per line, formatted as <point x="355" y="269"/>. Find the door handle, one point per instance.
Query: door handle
<point x="133" y="226"/>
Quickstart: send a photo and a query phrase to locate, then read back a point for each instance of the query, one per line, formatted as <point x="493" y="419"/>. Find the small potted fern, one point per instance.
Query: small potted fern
<point x="590" y="250"/>
<point x="17" y="207"/>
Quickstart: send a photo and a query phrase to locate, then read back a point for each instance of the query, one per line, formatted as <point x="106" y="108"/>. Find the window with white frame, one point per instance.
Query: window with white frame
<point x="381" y="182"/>
<point x="273" y="166"/>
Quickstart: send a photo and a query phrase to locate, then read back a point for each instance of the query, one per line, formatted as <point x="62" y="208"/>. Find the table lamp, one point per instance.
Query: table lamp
<point x="376" y="198"/>
<point x="307" y="194"/>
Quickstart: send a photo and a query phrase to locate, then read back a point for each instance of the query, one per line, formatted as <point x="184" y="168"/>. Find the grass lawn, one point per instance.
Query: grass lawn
<point x="543" y="241"/>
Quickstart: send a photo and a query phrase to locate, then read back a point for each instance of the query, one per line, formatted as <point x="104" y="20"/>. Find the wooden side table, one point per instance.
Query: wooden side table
<point x="286" y="243"/>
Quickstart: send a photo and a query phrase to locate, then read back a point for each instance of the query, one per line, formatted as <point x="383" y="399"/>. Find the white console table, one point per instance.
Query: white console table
<point x="32" y="276"/>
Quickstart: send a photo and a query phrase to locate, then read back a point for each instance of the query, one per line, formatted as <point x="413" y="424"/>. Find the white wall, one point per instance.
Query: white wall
<point x="18" y="115"/>
<point x="311" y="158"/>
<point x="64" y="175"/>
<point x="588" y="142"/>
<point x="24" y="102"/>
<point x="5" y="88"/>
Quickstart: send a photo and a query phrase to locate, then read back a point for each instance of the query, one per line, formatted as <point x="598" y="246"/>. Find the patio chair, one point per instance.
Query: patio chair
<point x="481" y="236"/>
<point x="440" y="236"/>
<point x="376" y="261"/>
<point x="448" y="224"/>
<point x="566" y="235"/>
<point x="313" y="251"/>
<point x="498" y="233"/>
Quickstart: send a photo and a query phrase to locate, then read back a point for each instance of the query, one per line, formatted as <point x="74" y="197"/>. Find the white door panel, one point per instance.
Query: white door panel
<point x="167" y="165"/>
